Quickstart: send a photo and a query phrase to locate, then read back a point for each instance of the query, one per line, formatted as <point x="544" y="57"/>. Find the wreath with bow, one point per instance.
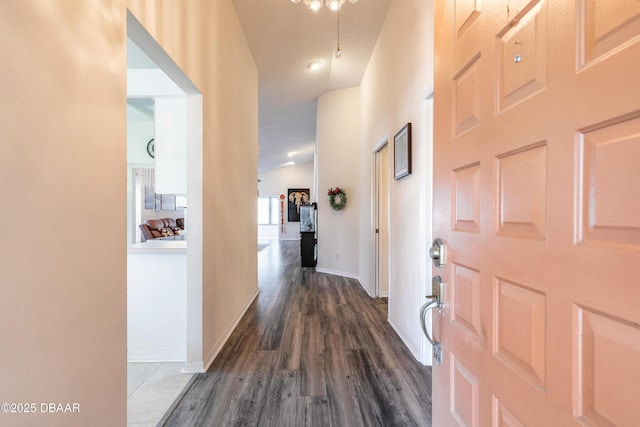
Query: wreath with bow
<point x="337" y="198"/>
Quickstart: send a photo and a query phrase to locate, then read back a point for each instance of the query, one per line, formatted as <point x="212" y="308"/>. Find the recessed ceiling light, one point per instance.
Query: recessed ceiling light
<point x="335" y="4"/>
<point x="314" y="65"/>
<point x="315" y="5"/>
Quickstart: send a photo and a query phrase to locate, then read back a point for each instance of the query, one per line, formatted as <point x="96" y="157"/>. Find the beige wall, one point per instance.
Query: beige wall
<point x="63" y="170"/>
<point x="63" y="120"/>
<point x="398" y="74"/>
<point x="337" y="136"/>
<point x="205" y="39"/>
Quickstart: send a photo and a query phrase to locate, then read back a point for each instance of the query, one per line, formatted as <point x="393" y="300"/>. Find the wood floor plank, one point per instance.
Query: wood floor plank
<point x="290" y="350"/>
<point x="312" y="411"/>
<point x="312" y="380"/>
<point x="339" y="388"/>
<point x="190" y="412"/>
<point x="280" y="405"/>
<point x="313" y="350"/>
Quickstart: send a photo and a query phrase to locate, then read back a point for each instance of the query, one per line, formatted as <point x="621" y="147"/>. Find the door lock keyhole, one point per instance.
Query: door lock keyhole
<point x="437" y="253"/>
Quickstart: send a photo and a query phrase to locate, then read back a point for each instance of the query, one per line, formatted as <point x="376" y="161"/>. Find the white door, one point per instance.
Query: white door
<point x="537" y="197"/>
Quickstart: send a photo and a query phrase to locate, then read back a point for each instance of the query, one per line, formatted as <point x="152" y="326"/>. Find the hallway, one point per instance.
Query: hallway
<point x="312" y="350"/>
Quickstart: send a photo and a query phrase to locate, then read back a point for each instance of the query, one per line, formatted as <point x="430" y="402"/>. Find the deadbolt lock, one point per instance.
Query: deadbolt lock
<point x="437" y="252"/>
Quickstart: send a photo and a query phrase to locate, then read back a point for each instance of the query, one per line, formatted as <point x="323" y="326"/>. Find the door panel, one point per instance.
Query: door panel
<point x="537" y="196"/>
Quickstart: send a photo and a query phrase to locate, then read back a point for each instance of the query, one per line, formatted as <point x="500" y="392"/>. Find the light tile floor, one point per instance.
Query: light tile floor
<point x="151" y="389"/>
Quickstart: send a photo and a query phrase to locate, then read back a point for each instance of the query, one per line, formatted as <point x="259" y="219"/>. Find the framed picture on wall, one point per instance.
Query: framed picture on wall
<point x="168" y="202"/>
<point x="149" y="197"/>
<point x="297" y="197"/>
<point x="402" y="152"/>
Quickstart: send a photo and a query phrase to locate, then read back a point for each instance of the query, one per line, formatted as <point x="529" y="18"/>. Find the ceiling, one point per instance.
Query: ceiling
<point x="284" y="38"/>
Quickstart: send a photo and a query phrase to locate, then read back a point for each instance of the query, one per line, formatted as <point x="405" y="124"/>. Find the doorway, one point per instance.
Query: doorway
<point x="168" y="82"/>
<point x="164" y="278"/>
<point x="381" y="209"/>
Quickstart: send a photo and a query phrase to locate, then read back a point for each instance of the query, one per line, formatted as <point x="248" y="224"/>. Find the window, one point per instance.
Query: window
<point x="268" y="213"/>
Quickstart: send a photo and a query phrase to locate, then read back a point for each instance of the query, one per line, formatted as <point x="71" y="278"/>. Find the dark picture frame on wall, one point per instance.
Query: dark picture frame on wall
<point x="296" y="198"/>
<point x="402" y="152"/>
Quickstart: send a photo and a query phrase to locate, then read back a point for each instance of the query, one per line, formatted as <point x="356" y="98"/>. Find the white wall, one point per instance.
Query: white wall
<point x="338" y="133"/>
<point x="278" y="181"/>
<point x="140" y="129"/>
<point x="171" y="145"/>
<point x="139" y="132"/>
<point x="397" y="76"/>
<point x="157" y="306"/>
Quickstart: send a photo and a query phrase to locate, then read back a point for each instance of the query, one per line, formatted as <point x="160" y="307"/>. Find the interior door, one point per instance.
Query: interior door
<point x="537" y="197"/>
<point x="382" y="216"/>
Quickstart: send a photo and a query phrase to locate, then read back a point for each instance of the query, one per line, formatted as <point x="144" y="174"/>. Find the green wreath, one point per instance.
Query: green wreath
<point x="337" y="193"/>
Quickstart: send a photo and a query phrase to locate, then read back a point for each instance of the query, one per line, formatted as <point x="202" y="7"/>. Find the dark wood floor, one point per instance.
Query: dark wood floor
<point x="313" y="350"/>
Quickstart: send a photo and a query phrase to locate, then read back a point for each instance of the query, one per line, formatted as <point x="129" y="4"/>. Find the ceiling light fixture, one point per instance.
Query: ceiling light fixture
<point x="334" y="4"/>
<point x="338" y="53"/>
<point x="315" y="5"/>
<point x="314" y="65"/>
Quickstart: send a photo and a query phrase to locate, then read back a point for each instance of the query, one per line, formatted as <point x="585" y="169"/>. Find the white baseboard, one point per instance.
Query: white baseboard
<point x="217" y="346"/>
<point x="410" y="345"/>
<point x="193" y="368"/>
<point x="338" y="273"/>
<point x="143" y="356"/>
<point x="365" y="289"/>
<point x="289" y="238"/>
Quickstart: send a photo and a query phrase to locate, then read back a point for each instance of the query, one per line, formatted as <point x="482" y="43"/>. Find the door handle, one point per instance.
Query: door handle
<point x="437" y="252"/>
<point x="433" y="301"/>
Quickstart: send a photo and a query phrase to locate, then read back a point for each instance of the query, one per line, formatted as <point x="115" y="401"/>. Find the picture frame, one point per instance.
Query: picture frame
<point x="168" y="202"/>
<point x="402" y="152"/>
<point x="296" y="198"/>
<point x="149" y="197"/>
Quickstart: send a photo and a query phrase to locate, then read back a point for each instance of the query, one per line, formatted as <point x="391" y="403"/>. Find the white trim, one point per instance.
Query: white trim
<point x="365" y="289"/>
<point x="145" y="41"/>
<point x="289" y="238"/>
<point x="217" y="346"/>
<point x="426" y="210"/>
<point x="382" y="142"/>
<point x="428" y="93"/>
<point x="194" y="223"/>
<point x="138" y="356"/>
<point x="338" y="273"/>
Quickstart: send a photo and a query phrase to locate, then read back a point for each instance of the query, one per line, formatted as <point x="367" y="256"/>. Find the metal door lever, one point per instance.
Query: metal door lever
<point x="434" y="300"/>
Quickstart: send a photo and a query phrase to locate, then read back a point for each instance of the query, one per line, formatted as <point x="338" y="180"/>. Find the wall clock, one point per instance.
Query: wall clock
<point x="151" y="148"/>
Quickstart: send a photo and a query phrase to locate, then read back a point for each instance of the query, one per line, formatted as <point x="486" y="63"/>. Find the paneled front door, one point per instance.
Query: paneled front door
<point x="537" y="197"/>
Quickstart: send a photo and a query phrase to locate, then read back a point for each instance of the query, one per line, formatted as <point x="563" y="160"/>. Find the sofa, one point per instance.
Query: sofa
<point x="161" y="228"/>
